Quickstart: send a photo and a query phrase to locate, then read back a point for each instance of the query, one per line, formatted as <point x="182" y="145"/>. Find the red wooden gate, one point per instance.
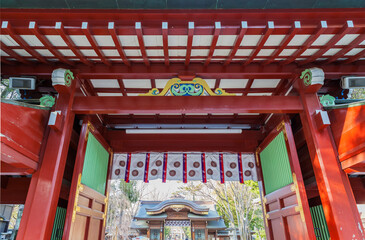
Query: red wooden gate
<point x="285" y="203"/>
<point x="88" y="201"/>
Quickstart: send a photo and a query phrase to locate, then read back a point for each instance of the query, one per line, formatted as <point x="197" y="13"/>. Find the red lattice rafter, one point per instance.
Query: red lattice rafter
<point x="165" y="41"/>
<point x="138" y="27"/>
<point x="284" y="43"/>
<point x="237" y="42"/>
<point x="217" y="30"/>
<point x="248" y="87"/>
<point x="33" y="27"/>
<point x="349" y="26"/>
<point x="113" y="34"/>
<point x="189" y="42"/>
<point x="356" y="57"/>
<point x="61" y="31"/>
<point x="13" y="54"/>
<point x="6" y="27"/>
<point x="269" y="29"/>
<point x="90" y="38"/>
<point x="321" y="28"/>
<point x="354" y="44"/>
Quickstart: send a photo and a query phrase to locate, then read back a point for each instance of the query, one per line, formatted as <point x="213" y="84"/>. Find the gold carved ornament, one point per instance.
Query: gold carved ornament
<point x="266" y="215"/>
<point x="295" y="188"/>
<point x="79" y="189"/>
<point x="195" y="87"/>
<point x="90" y="128"/>
<point x="280" y="127"/>
<point x="106" y="201"/>
<point x="257" y="156"/>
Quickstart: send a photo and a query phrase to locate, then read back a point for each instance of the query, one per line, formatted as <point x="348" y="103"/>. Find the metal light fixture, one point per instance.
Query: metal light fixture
<point x="183" y="131"/>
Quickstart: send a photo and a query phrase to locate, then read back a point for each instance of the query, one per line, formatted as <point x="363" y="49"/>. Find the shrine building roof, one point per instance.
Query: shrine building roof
<point x="155" y="210"/>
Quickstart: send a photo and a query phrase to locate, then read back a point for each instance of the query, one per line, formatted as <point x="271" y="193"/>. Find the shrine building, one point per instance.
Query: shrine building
<point x="167" y="220"/>
<point x="188" y="90"/>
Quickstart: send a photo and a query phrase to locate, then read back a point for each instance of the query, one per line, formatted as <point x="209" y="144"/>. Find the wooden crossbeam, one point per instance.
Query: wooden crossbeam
<point x="213" y="104"/>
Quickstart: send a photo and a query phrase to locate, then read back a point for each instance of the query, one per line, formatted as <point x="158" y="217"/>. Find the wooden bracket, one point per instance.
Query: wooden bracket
<point x="55" y="120"/>
<point x="321" y="119"/>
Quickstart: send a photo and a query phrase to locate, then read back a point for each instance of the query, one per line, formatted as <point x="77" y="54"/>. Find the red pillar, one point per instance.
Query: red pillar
<point x="41" y="203"/>
<point x="339" y="205"/>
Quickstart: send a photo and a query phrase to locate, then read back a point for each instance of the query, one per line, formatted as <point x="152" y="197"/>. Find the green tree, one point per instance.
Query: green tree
<point x="6" y="91"/>
<point x="358" y="93"/>
<point x="167" y="232"/>
<point x="238" y="204"/>
<point x="123" y="204"/>
<point x="130" y="190"/>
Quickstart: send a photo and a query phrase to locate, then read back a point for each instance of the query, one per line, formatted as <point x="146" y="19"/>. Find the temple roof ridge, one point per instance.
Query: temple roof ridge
<point x="178" y="201"/>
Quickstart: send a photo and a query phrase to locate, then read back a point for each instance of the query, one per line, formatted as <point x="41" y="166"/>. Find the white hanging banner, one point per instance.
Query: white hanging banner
<point x="184" y="166"/>
<point x="174" y="170"/>
<point x="155" y="169"/>
<point x="212" y="166"/>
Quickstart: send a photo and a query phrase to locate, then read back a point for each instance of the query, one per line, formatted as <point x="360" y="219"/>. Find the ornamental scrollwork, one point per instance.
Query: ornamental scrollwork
<point x="178" y="87"/>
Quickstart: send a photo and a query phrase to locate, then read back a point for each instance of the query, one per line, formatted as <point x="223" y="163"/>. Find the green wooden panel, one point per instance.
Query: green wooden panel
<point x="275" y="165"/>
<point x="59" y="224"/>
<point x="319" y="223"/>
<point x="95" y="165"/>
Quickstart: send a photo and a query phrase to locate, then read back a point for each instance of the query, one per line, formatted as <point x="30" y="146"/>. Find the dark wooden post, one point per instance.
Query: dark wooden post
<point x="41" y="203"/>
<point x="339" y="205"/>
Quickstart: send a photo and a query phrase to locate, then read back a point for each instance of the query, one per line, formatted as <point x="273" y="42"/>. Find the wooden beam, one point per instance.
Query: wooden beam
<point x="6" y="27"/>
<point x="118" y="45"/>
<point x="165" y="40"/>
<point x="15" y="190"/>
<point x="284" y="43"/>
<point x="237" y="43"/>
<point x="321" y="28"/>
<point x="269" y="29"/>
<point x="353" y="161"/>
<point x="61" y="31"/>
<point x="33" y="26"/>
<point x="213" y="104"/>
<point x="189" y="42"/>
<point x="217" y="30"/>
<point x="13" y="54"/>
<point x="91" y="39"/>
<point x="158" y="70"/>
<point x="342" y="53"/>
<point x="122" y="142"/>
<point x="349" y="26"/>
<point x="142" y="47"/>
